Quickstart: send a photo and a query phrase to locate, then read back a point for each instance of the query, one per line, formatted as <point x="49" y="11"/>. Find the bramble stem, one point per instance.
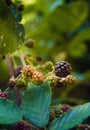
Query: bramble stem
<point x="17" y="94"/>
<point x="10" y="65"/>
<point x="22" y="57"/>
<point x="29" y="124"/>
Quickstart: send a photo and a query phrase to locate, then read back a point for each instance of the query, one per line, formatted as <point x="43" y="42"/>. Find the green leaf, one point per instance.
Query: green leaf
<point x="71" y="118"/>
<point x="15" y="12"/>
<point x="36" y="104"/>
<point x="9" y="112"/>
<point x="10" y="38"/>
<point x="19" y="32"/>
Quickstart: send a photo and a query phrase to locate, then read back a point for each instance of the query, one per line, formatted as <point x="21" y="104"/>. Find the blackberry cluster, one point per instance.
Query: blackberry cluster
<point x="62" y="69"/>
<point x="21" y="126"/>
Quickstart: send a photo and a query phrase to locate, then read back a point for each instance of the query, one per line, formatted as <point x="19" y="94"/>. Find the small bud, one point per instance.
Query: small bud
<point x="65" y="108"/>
<point x="30" y="43"/>
<point x="70" y="79"/>
<point x="20" y="7"/>
<point x="48" y="66"/>
<point x="38" y="58"/>
<point x="11" y="82"/>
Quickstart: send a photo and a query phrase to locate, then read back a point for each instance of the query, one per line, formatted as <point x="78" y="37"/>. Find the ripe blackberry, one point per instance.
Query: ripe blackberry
<point x="62" y="69"/>
<point x="21" y="126"/>
<point x="3" y="95"/>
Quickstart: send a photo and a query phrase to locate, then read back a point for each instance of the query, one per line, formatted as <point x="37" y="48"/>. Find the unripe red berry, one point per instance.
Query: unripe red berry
<point x="28" y="70"/>
<point x="3" y="95"/>
<point x="65" y="108"/>
<point x="37" y="77"/>
<point x="21" y="126"/>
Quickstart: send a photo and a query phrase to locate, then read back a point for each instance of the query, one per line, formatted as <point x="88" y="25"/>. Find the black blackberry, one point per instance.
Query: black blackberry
<point x="21" y="126"/>
<point x="62" y="69"/>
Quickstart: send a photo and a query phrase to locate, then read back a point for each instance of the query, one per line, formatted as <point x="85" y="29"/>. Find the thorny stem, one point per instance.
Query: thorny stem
<point x="6" y="90"/>
<point x="14" y="62"/>
<point x="22" y="57"/>
<point x="17" y="94"/>
<point x="31" y="125"/>
<point x="11" y="71"/>
<point x="10" y="66"/>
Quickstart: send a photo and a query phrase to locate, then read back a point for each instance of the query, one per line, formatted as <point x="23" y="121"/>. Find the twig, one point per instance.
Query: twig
<point x="22" y="57"/>
<point x="17" y="94"/>
<point x="10" y="65"/>
<point x="31" y="125"/>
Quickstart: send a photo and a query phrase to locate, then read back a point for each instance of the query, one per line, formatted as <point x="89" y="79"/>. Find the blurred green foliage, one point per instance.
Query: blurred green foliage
<point x="58" y="27"/>
<point x="61" y="29"/>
